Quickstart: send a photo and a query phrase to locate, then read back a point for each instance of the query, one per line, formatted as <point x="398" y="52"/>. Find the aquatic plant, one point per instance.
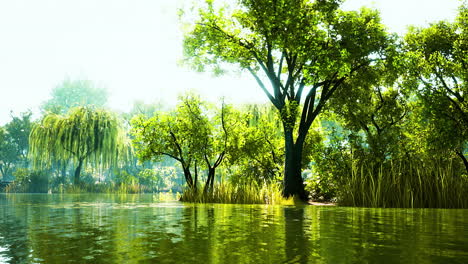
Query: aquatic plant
<point x="252" y="193"/>
<point x="406" y="185"/>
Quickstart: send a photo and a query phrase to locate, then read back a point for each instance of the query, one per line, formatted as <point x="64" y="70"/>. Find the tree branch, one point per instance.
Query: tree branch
<point x="260" y="83"/>
<point x="447" y="88"/>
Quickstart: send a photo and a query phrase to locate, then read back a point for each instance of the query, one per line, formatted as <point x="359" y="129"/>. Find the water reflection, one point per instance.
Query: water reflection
<point x="14" y="244"/>
<point x="139" y="229"/>
<point x="296" y="243"/>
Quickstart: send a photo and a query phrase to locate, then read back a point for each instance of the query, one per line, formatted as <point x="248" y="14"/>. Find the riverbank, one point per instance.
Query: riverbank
<point x="322" y="203"/>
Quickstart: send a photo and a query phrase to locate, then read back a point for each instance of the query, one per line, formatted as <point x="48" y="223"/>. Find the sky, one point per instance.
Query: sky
<point x="132" y="48"/>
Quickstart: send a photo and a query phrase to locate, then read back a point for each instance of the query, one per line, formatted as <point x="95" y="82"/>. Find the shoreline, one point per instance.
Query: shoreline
<point x="321" y="203"/>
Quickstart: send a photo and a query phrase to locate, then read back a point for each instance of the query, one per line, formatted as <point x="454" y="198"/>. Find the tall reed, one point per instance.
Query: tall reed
<point x="405" y="184"/>
<point x="250" y="193"/>
<point x="83" y="188"/>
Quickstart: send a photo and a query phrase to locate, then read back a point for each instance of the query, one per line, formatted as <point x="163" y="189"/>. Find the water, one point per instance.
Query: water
<point x="40" y="228"/>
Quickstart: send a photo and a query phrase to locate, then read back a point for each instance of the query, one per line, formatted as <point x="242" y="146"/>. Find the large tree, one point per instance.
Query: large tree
<point x="82" y="136"/>
<point x="299" y="51"/>
<point x="438" y="69"/>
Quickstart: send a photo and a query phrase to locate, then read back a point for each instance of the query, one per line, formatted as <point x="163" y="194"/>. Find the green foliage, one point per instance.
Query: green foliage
<point x="323" y="38"/>
<point x="375" y="122"/>
<point x="14" y="143"/>
<point x="167" y="134"/>
<point x="75" y="93"/>
<point x="399" y="132"/>
<point x="414" y="176"/>
<point x="22" y="175"/>
<point x="18" y="129"/>
<point x="178" y="134"/>
<point x="437" y="59"/>
<point x="8" y="153"/>
<point x="194" y="134"/>
<point x="157" y="179"/>
<point x="82" y="136"/>
<point x="31" y="181"/>
<point x="330" y="159"/>
<point x="261" y="152"/>
<point x="289" y="114"/>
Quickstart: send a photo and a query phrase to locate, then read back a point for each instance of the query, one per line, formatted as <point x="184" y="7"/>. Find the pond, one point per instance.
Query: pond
<point x="41" y="228"/>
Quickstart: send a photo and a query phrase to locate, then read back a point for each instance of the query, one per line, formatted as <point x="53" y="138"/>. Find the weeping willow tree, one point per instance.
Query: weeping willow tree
<point x="83" y="136"/>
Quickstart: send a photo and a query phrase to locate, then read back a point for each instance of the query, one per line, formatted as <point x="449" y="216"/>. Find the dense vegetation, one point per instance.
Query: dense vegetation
<point x="357" y="115"/>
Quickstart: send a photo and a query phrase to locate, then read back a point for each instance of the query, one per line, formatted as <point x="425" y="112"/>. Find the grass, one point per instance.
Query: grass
<point x="229" y="193"/>
<point x="405" y="185"/>
<point x="103" y="188"/>
<point x="82" y="188"/>
<point x="222" y="193"/>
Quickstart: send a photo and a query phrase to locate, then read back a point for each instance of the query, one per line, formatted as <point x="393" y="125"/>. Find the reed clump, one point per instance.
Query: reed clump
<point x="229" y="193"/>
<point x="405" y="185"/>
<point x="103" y="188"/>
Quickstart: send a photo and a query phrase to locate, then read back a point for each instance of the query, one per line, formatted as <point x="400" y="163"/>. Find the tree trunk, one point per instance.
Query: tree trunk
<point x="212" y="178"/>
<point x="196" y="178"/>
<point x="293" y="183"/>
<point x="188" y="177"/>
<point x="77" y="172"/>
<point x="209" y="180"/>
<point x="63" y="171"/>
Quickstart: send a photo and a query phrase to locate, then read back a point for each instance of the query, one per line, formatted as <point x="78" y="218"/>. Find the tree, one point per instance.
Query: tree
<point x="194" y="134"/>
<point x="8" y="154"/>
<point x="438" y="72"/>
<point x="83" y="136"/>
<point x="221" y="141"/>
<point x="300" y="52"/>
<point x="373" y="113"/>
<point x="178" y="135"/>
<point x="74" y="93"/>
<point x="14" y="143"/>
<point x="19" y="129"/>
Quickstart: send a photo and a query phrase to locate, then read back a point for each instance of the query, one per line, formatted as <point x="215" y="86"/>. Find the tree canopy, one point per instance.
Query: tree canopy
<point x="438" y="70"/>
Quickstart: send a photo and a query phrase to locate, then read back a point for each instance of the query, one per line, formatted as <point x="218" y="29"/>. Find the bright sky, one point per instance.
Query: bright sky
<point x="131" y="47"/>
